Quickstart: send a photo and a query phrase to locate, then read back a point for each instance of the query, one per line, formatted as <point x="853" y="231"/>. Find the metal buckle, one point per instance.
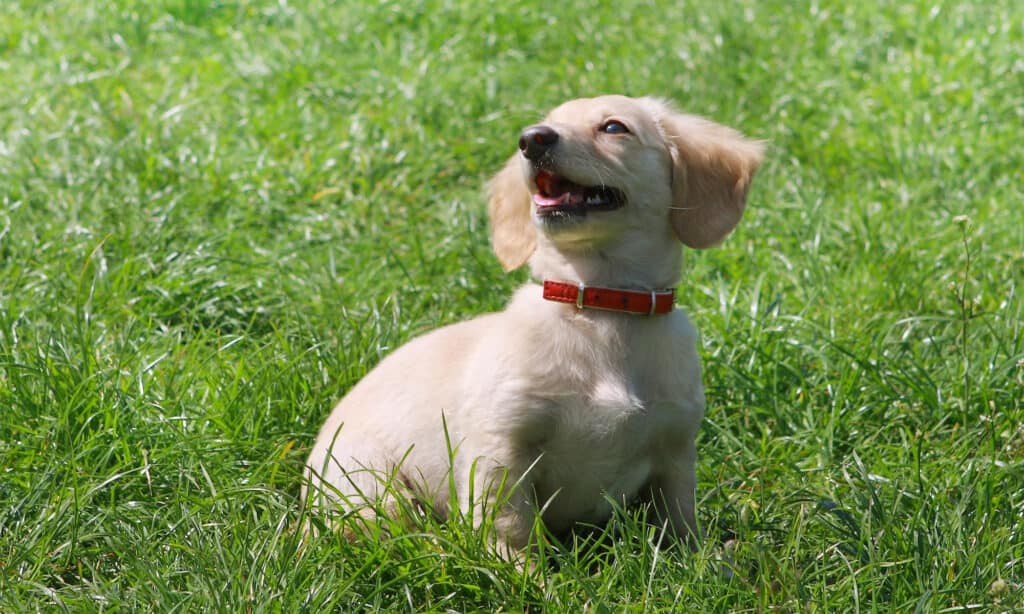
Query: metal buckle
<point x="653" y="303"/>
<point x="579" y="295"/>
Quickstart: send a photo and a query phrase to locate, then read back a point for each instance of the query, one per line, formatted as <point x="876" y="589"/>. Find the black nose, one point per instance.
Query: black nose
<point x="536" y="141"/>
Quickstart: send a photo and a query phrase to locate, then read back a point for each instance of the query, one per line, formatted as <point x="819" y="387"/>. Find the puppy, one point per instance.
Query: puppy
<point x="585" y="390"/>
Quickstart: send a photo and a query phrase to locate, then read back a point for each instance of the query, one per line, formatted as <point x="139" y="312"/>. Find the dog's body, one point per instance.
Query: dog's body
<point x="570" y="408"/>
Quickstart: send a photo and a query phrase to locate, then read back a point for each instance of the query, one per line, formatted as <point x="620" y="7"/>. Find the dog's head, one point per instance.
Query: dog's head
<point x="597" y="169"/>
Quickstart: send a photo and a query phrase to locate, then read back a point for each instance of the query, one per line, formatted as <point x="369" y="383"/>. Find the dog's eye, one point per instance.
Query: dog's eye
<point x="614" y="126"/>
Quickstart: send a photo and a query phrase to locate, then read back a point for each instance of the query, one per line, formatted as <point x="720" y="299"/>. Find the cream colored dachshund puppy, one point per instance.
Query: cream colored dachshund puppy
<point x="587" y="388"/>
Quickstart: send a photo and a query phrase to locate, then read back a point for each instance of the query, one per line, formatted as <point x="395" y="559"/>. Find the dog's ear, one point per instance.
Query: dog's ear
<point x="512" y="233"/>
<point x="712" y="166"/>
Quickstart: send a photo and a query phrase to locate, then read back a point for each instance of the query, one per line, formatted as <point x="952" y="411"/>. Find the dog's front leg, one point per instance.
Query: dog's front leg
<point x="492" y="491"/>
<point x="513" y="525"/>
<point x="672" y="495"/>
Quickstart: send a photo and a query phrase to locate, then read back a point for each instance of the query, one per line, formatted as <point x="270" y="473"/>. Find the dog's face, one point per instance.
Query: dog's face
<point x="597" y="168"/>
<point x="594" y="167"/>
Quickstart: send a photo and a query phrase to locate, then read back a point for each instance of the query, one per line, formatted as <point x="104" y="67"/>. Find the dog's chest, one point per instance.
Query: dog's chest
<point x="602" y="404"/>
<point x="611" y="388"/>
<point x="599" y="446"/>
<point x="586" y="441"/>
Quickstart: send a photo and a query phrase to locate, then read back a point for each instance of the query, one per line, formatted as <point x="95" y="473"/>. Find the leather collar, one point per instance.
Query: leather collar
<point x="611" y="299"/>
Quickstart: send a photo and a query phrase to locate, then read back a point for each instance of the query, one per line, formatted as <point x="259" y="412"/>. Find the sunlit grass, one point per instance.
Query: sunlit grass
<point x="215" y="217"/>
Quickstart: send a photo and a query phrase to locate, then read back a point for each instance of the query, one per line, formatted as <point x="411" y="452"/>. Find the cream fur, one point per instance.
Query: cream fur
<point x="572" y="407"/>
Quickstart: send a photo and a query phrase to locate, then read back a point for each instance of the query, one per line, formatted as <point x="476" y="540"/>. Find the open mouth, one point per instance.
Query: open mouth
<point x="556" y="196"/>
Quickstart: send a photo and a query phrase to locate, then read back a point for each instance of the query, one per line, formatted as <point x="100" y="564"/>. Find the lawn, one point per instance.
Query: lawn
<point x="216" y="216"/>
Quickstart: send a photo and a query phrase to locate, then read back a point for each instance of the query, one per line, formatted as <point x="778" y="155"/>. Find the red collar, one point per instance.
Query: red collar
<point x="611" y="299"/>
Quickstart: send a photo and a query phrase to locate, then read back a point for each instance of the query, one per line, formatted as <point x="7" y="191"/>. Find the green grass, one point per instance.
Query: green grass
<point x="215" y="217"/>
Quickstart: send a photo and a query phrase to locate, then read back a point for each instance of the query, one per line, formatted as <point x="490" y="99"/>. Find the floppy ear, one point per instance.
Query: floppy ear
<point x="512" y="233"/>
<point x="711" y="170"/>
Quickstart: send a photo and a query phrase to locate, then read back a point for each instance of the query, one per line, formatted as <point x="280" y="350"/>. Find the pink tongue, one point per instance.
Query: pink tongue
<point x="552" y="201"/>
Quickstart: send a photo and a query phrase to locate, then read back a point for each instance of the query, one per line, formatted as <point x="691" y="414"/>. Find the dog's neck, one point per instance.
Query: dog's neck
<point x="650" y="264"/>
